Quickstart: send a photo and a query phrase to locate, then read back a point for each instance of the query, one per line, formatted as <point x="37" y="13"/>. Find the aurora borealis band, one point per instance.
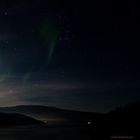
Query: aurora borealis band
<point x="71" y="55"/>
<point x="49" y="34"/>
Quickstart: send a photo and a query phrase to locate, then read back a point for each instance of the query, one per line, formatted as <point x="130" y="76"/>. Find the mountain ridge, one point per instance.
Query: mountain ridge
<point x="52" y="114"/>
<point x="15" y="119"/>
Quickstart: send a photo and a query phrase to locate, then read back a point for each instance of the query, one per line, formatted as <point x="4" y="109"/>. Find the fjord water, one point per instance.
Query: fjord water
<point x="38" y="132"/>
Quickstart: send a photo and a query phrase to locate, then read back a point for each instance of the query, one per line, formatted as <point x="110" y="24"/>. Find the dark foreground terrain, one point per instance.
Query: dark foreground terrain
<point x="42" y="132"/>
<point x="38" y="132"/>
<point x="122" y="123"/>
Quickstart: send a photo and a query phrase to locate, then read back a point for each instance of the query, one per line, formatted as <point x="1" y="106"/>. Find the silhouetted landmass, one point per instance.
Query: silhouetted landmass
<point x="52" y="114"/>
<point x="7" y="119"/>
<point x="123" y="121"/>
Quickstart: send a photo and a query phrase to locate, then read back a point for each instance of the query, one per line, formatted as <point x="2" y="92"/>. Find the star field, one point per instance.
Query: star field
<point x="69" y="55"/>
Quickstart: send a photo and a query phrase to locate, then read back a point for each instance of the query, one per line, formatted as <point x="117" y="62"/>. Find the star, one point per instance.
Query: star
<point x="6" y="41"/>
<point x="6" y="13"/>
<point x="60" y="39"/>
<point x="62" y="74"/>
<point x="66" y="38"/>
<point x="15" y="49"/>
<point x="59" y="17"/>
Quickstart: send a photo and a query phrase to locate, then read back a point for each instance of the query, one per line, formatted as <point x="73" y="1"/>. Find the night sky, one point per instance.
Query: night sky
<point x="68" y="54"/>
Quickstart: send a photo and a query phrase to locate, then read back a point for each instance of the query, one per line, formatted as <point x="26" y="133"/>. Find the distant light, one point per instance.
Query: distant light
<point x="45" y="122"/>
<point x="89" y="123"/>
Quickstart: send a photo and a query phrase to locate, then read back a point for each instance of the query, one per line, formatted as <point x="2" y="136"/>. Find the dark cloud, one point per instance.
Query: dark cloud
<point x="98" y="96"/>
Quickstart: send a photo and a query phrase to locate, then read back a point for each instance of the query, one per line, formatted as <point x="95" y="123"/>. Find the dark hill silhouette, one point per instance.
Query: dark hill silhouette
<point x="123" y="121"/>
<point x="131" y="108"/>
<point x="8" y="119"/>
<point x="53" y="114"/>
